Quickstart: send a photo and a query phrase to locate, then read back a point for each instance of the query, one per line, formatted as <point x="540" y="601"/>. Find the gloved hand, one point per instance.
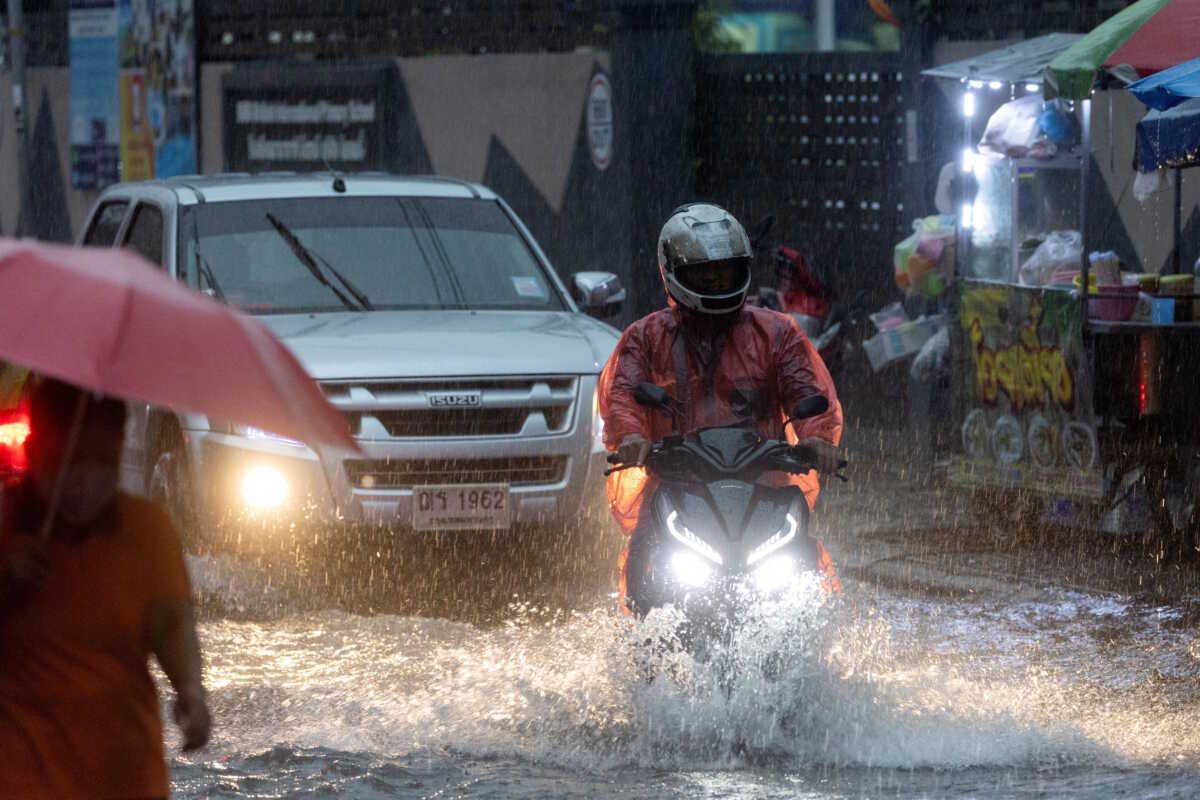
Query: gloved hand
<point x="633" y="449"/>
<point x="826" y="454"/>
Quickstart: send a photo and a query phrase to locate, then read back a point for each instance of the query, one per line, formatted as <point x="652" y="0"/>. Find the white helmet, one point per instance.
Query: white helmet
<point x="696" y="241"/>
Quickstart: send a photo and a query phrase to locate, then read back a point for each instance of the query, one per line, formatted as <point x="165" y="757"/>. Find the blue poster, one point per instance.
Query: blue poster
<point x="95" y="101"/>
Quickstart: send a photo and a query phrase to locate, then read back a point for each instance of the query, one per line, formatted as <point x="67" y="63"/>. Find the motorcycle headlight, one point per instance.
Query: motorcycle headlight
<point x="775" y="574"/>
<point x="778" y="540"/>
<point x="690" y="569"/>
<point x="685" y="537"/>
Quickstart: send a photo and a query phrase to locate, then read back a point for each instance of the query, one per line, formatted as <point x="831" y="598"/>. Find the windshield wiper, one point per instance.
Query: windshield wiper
<point x="203" y="269"/>
<point x="306" y="257"/>
<point x="206" y="272"/>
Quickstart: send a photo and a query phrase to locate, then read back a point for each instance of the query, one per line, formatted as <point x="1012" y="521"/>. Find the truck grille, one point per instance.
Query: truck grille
<point x="500" y="407"/>
<point x="406" y="473"/>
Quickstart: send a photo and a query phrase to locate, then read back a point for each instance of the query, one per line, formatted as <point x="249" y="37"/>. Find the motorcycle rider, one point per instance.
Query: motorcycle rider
<point x="724" y="363"/>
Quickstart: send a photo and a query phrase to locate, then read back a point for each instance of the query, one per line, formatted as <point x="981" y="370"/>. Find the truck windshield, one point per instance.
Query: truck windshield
<point x="300" y="255"/>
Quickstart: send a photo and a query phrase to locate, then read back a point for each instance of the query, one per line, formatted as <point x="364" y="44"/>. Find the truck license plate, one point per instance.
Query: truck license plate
<point x="462" y="507"/>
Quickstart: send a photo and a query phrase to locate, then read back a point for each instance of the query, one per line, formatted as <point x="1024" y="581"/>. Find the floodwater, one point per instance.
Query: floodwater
<point x="962" y="661"/>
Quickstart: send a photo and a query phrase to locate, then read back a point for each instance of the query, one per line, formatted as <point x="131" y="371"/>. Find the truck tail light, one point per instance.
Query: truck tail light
<point x="14" y="431"/>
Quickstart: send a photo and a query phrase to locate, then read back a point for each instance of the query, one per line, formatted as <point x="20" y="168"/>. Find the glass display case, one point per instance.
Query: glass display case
<point x="1017" y="204"/>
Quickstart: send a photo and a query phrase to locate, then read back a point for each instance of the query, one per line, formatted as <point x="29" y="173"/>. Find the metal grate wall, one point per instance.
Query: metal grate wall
<point x="818" y="140"/>
<point x="233" y="30"/>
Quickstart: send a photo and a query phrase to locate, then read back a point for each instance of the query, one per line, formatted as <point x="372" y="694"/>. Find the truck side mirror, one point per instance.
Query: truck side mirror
<point x="599" y="294"/>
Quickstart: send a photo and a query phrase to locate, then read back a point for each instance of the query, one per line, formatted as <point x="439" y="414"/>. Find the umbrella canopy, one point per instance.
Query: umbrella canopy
<point x="1023" y="62"/>
<point x="1170" y="138"/>
<point x="107" y="320"/>
<point x="1169" y="87"/>
<point x="1150" y="36"/>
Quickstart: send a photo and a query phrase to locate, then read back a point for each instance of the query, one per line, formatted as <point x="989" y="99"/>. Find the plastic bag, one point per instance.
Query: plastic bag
<point x="1059" y="124"/>
<point x="1014" y="130"/>
<point x="900" y="256"/>
<point x="1062" y="250"/>
<point x="932" y="358"/>
<point x="889" y="318"/>
<point x="924" y="261"/>
<point x="1147" y="184"/>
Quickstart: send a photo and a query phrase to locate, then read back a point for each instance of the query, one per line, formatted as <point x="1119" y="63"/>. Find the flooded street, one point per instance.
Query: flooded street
<point x="962" y="661"/>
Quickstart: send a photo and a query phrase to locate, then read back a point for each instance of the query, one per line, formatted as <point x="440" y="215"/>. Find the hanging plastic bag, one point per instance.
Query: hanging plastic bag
<point x="1014" y="130"/>
<point x="900" y="257"/>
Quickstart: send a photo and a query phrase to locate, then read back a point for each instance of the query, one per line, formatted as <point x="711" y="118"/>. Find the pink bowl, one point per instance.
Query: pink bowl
<point x="1113" y="308"/>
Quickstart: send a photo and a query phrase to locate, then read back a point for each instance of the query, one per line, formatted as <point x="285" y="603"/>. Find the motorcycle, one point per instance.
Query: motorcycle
<point x="836" y="330"/>
<point x="717" y="543"/>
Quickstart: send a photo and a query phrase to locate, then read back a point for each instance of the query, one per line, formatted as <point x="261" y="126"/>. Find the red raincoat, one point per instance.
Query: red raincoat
<point x="759" y="364"/>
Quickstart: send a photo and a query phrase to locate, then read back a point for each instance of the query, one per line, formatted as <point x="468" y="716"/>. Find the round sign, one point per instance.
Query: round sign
<point x="600" y="121"/>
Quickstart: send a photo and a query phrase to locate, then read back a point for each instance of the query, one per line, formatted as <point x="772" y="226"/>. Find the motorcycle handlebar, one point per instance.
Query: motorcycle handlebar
<point x="804" y="461"/>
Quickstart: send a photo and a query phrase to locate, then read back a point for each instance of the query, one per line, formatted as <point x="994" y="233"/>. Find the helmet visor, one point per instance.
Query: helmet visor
<point x="715" y="278"/>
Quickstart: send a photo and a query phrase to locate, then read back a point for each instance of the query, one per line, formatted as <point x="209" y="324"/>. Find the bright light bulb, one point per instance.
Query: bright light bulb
<point x="264" y="488"/>
<point x="690" y="569"/>
<point x="775" y="574"/>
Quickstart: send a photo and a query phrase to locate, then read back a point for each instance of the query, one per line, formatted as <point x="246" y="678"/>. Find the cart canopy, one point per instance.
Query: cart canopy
<point x="1170" y="87"/>
<point x="1023" y="62"/>
<point x="1149" y="36"/>
<point x="1170" y="138"/>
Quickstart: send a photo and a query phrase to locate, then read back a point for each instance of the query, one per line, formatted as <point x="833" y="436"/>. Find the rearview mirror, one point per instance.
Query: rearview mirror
<point x="648" y="394"/>
<point x="599" y="294"/>
<point x="812" y="406"/>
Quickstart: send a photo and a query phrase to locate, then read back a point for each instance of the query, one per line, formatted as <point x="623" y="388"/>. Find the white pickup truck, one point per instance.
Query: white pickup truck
<point x="427" y="314"/>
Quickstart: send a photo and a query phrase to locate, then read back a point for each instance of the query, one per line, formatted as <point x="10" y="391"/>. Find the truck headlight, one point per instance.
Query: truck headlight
<point x="775" y="574"/>
<point x="250" y="432"/>
<point x="690" y="569"/>
<point x="264" y="488"/>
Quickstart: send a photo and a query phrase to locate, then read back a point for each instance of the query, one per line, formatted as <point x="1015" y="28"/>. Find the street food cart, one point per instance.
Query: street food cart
<point x="1071" y="376"/>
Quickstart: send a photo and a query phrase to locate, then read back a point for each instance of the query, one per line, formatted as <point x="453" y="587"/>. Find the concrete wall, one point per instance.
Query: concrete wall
<point x="515" y="122"/>
<point x="58" y="209"/>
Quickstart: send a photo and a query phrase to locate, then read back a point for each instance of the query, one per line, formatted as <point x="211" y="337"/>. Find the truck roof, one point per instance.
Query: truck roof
<point x="192" y="189"/>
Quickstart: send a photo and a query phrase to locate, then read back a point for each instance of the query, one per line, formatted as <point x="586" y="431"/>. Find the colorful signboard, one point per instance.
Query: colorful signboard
<point x="133" y="97"/>
<point x="1022" y="391"/>
<point x="95" y="124"/>
<point x="157" y="88"/>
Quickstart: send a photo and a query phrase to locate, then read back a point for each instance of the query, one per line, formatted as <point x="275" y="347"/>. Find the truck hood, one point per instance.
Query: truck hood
<point x="420" y="344"/>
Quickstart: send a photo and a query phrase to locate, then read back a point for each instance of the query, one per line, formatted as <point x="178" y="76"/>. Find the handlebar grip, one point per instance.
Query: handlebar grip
<point x="614" y="458"/>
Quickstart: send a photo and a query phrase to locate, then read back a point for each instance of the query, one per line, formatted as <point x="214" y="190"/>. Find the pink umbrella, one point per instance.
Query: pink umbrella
<point x="109" y="321"/>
